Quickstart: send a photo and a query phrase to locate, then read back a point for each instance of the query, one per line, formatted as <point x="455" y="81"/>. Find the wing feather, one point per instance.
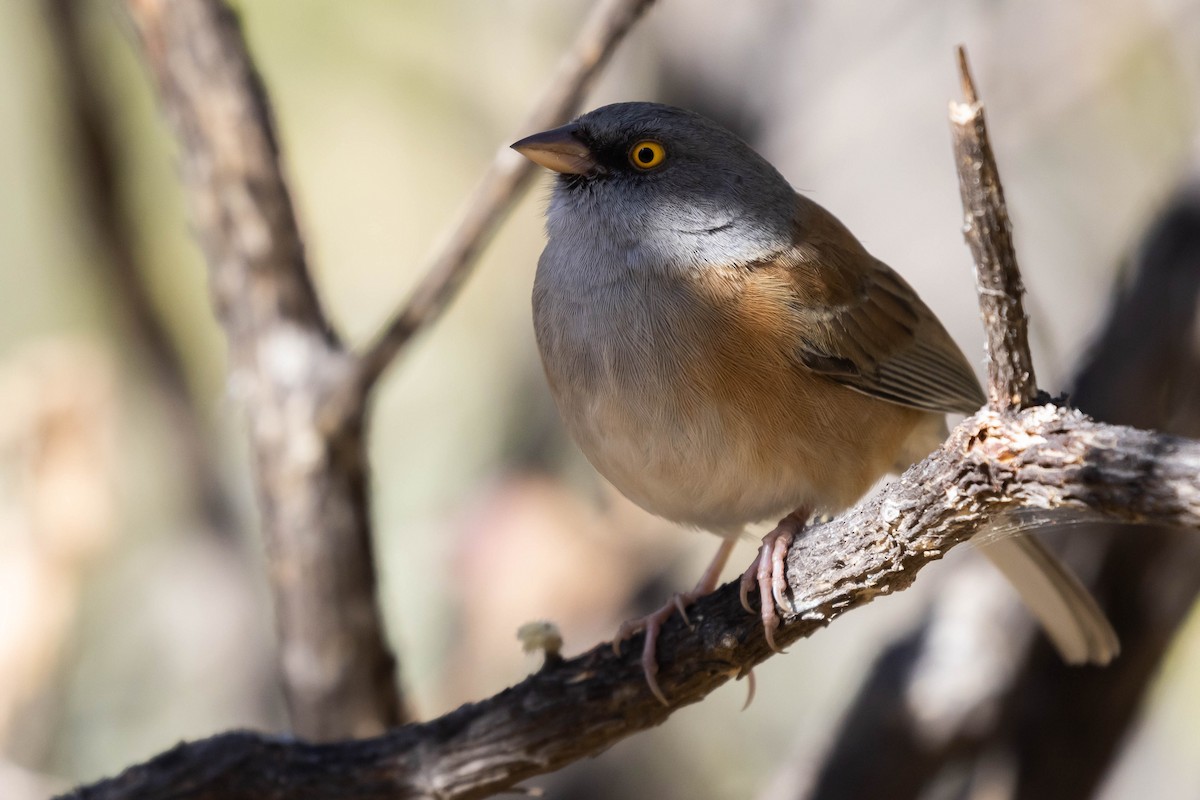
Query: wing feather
<point x="862" y="325"/>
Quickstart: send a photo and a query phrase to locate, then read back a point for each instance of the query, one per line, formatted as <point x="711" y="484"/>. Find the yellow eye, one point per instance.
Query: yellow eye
<point x="647" y="154"/>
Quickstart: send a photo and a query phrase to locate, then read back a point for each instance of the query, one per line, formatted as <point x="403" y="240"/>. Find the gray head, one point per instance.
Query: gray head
<point x="663" y="186"/>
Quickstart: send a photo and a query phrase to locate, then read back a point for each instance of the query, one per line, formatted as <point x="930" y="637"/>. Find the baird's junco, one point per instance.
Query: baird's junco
<point x="725" y="351"/>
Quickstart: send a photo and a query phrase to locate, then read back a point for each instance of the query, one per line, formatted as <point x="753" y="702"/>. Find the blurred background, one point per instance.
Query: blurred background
<point x="133" y="606"/>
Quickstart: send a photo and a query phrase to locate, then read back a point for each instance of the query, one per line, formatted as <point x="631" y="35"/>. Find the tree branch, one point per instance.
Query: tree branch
<point x="501" y="185"/>
<point x="287" y="367"/>
<point x="1045" y="457"/>
<point x="304" y="393"/>
<point x="986" y="227"/>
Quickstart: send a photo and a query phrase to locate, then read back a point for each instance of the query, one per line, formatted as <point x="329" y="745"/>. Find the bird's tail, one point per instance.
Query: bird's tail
<point x="1067" y="611"/>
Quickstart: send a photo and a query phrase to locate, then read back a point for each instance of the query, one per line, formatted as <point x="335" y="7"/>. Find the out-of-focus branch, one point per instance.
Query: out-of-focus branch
<point x="986" y="227"/>
<point x="304" y="393"/>
<point x="501" y="185"/>
<point x="1044" y="457"/>
<point x="58" y="516"/>
<point x="287" y="368"/>
<point x="96" y="173"/>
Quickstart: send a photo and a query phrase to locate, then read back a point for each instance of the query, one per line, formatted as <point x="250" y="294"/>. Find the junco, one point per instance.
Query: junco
<point x="725" y="351"/>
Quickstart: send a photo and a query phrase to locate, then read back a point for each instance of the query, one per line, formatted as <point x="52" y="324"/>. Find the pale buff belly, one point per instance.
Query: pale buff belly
<point x="697" y="421"/>
<point x="720" y="465"/>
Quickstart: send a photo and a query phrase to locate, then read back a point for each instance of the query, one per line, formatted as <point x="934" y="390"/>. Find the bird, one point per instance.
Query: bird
<point x="724" y="351"/>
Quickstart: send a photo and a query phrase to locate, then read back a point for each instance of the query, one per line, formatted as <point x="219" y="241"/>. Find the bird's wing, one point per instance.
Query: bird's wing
<point x="862" y="325"/>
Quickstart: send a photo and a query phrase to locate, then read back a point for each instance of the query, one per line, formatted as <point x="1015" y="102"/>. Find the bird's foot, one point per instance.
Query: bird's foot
<point x="652" y="623"/>
<point x="769" y="574"/>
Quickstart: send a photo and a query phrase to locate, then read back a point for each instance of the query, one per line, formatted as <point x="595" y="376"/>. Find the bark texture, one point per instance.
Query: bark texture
<point x="988" y="231"/>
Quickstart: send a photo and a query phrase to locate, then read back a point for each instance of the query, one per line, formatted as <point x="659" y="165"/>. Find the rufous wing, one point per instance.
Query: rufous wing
<point x="860" y="324"/>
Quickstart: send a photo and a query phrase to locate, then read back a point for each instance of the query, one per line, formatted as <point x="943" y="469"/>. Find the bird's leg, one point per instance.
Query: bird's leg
<point x="653" y="622"/>
<point x="769" y="572"/>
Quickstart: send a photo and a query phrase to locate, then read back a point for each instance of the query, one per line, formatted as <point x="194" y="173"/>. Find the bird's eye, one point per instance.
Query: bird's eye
<point x="647" y="154"/>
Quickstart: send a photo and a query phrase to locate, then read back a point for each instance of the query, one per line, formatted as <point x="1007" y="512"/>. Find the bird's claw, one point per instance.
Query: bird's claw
<point x="769" y="574"/>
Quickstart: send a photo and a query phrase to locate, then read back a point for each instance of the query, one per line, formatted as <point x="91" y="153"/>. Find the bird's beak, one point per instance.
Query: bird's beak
<point x="559" y="149"/>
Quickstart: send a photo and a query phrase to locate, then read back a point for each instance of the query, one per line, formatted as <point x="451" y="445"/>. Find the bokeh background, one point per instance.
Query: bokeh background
<point x="133" y="607"/>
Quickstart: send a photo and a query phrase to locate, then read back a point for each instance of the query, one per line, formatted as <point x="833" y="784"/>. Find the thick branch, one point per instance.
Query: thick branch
<point x="500" y="187"/>
<point x="287" y="367"/>
<point x="1045" y="457"/>
<point x="986" y="227"/>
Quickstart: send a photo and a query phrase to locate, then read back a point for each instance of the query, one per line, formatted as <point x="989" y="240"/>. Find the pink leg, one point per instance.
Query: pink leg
<point x="769" y="572"/>
<point x="652" y="623"/>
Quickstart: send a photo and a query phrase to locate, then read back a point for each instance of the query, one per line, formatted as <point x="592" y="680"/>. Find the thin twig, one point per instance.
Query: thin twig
<point x="964" y="76"/>
<point x="500" y="187"/>
<point x="1045" y="457"/>
<point x="986" y="227"/>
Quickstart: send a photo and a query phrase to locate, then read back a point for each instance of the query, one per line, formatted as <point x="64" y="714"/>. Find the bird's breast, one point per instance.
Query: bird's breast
<point x="683" y="391"/>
